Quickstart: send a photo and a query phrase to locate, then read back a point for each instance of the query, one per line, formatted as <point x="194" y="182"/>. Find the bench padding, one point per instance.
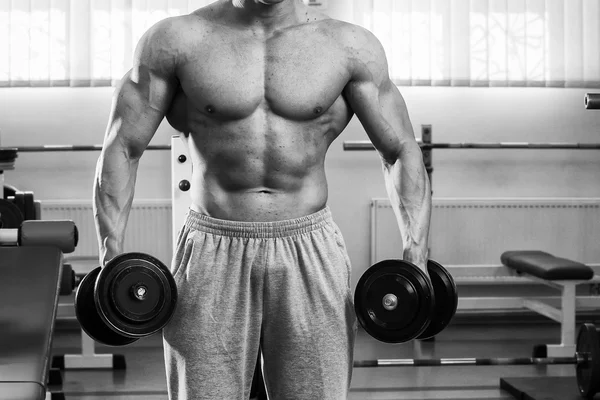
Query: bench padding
<point x="546" y="266"/>
<point x="21" y="391"/>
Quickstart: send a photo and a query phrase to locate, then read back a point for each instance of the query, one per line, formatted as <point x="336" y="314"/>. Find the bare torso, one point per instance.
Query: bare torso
<point x="259" y="109"/>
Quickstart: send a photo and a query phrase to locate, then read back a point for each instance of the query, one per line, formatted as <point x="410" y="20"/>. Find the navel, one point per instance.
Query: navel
<point x="209" y="109"/>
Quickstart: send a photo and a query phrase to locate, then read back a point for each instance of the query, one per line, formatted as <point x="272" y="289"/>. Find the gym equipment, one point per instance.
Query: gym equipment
<point x="427" y="144"/>
<point x="366" y="145"/>
<point x="560" y="274"/>
<point x="586" y="361"/>
<point x="592" y="101"/>
<point x="67" y="147"/>
<point x="88" y="316"/>
<point x="9" y="190"/>
<point x="62" y="234"/>
<point x="29" y="279"/>
<point x="10" y="215"/>
<point x="132" y="297"/>
<point x="26" y="203"/>
<point x="446" y="299"/>
<point x="69" y="280"/>
<point x="395" y="302"/>
<point x="7" y="157"/>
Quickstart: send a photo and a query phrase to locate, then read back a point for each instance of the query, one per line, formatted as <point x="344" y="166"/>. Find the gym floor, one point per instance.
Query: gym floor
<point x="144" y="377"/>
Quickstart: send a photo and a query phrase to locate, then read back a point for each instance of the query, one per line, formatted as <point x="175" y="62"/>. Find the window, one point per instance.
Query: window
<point x="428" y="42"/>
<point x="487" y="42"/>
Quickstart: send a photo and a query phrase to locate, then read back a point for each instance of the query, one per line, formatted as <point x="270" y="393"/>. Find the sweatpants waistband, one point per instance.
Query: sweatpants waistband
<point x="275" y="229"/>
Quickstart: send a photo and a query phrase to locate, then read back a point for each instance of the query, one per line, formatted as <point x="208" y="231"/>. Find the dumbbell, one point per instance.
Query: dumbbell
<point x="133" y="296"/>
<point x="395" y="302"/>
<point x="69" y="280"/>
<point x="60" y="233"/>
<point x="26" y="204"/>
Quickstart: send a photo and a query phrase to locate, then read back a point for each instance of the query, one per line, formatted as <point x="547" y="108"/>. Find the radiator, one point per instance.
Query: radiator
<point x="477" y="231"/>
<point x="148" y="229"/>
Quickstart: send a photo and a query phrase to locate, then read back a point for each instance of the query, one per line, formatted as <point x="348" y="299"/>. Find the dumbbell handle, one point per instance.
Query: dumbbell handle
<point x="579" y="358"/>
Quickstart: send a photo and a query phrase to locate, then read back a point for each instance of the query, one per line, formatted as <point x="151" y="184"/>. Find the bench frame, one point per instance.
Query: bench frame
<point x="564" y="315"/>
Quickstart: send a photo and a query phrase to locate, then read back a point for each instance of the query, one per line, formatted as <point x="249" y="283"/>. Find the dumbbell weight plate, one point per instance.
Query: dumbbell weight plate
<point x="8" y="155"/>
<point x="588" y="374"/>
<point x="87" y="314"/>
<point x="409" y="285"/>
<point x="10" y="215"/>
<point x="115" y="295"/>
<point x="9" y="190"/>
<point x="67" y="280"/>
<point x="446" y="299"/>
<point x="28" y="206"/>
<point x="19" y="200"/>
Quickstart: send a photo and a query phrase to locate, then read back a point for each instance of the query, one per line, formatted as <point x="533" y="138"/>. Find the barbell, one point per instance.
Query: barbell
<point x="350" y="145"/>
<point x="586" y="361"/>
<point x="71" y="147"/>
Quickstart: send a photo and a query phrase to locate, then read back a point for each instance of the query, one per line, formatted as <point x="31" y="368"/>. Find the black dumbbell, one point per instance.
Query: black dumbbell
<point x="133" y="296"/>
<point x="446" y="299"/>
<point x="67" y="280"/>
<point x="395" y="302"/>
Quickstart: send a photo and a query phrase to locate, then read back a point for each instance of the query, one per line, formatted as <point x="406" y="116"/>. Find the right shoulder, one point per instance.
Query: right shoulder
<point x="166" y="42"/>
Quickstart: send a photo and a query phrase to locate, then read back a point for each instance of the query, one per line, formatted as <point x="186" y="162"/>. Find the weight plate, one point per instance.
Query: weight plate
<point x="588" y="373"/>
<point x="67" y="280"/>
<point x="446" y="299"/>
<point x="19" y="200"/>
<point x="8" y="155"/>
<point x="9" y="190"/>
<point x="87" y="314"/>
<point x="10" y="215"/>
<point x="406" y="316"/>
<point x="115" y="295"/>
<point x="28" y="206"/>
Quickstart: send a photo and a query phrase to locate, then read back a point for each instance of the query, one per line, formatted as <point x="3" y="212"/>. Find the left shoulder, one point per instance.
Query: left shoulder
<point x="366" y="56"/>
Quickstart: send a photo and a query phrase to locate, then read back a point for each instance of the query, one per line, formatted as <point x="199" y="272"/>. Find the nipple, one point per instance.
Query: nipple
<point x="318" y="110"/>
<point x="209" y="109"/>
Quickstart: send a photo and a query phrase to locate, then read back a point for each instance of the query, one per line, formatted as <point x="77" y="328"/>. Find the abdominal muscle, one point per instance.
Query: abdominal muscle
<point x="259" y="172"/>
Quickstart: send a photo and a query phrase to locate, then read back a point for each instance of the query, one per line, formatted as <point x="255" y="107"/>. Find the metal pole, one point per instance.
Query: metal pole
<point x="580" y="358"/>
<point x="59" y="148"/>
<point x="352" y="145"/>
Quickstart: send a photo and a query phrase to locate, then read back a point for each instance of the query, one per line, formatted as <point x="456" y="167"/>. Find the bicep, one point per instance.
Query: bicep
<point x="377" y="102"/>
<point x="383" y="114"/>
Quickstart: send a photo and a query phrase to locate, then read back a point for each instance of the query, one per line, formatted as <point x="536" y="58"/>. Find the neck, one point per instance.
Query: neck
<point x="268" y="15"/>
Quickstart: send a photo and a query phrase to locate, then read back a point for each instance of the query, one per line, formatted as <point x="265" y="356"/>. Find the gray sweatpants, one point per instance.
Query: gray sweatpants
<point x="281" y="287"/>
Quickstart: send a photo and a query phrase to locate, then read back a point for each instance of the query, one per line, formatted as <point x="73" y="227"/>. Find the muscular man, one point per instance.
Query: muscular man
<point x="260" y="89"/>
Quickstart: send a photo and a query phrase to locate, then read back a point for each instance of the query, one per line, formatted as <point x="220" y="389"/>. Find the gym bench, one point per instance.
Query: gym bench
<point x="29" y="289"/>
<point x="558" y="273"/>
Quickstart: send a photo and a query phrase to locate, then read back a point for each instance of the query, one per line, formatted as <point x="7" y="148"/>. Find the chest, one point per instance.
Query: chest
<point x="296" y="76"/>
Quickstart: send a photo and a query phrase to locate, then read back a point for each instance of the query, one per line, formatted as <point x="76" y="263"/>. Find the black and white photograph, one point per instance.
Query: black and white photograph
<point x="299" y="199"/>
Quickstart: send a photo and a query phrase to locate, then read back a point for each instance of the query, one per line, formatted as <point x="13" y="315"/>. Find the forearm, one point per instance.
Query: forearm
<point x="409" y="192"/>
<point x="114" y="187"/>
